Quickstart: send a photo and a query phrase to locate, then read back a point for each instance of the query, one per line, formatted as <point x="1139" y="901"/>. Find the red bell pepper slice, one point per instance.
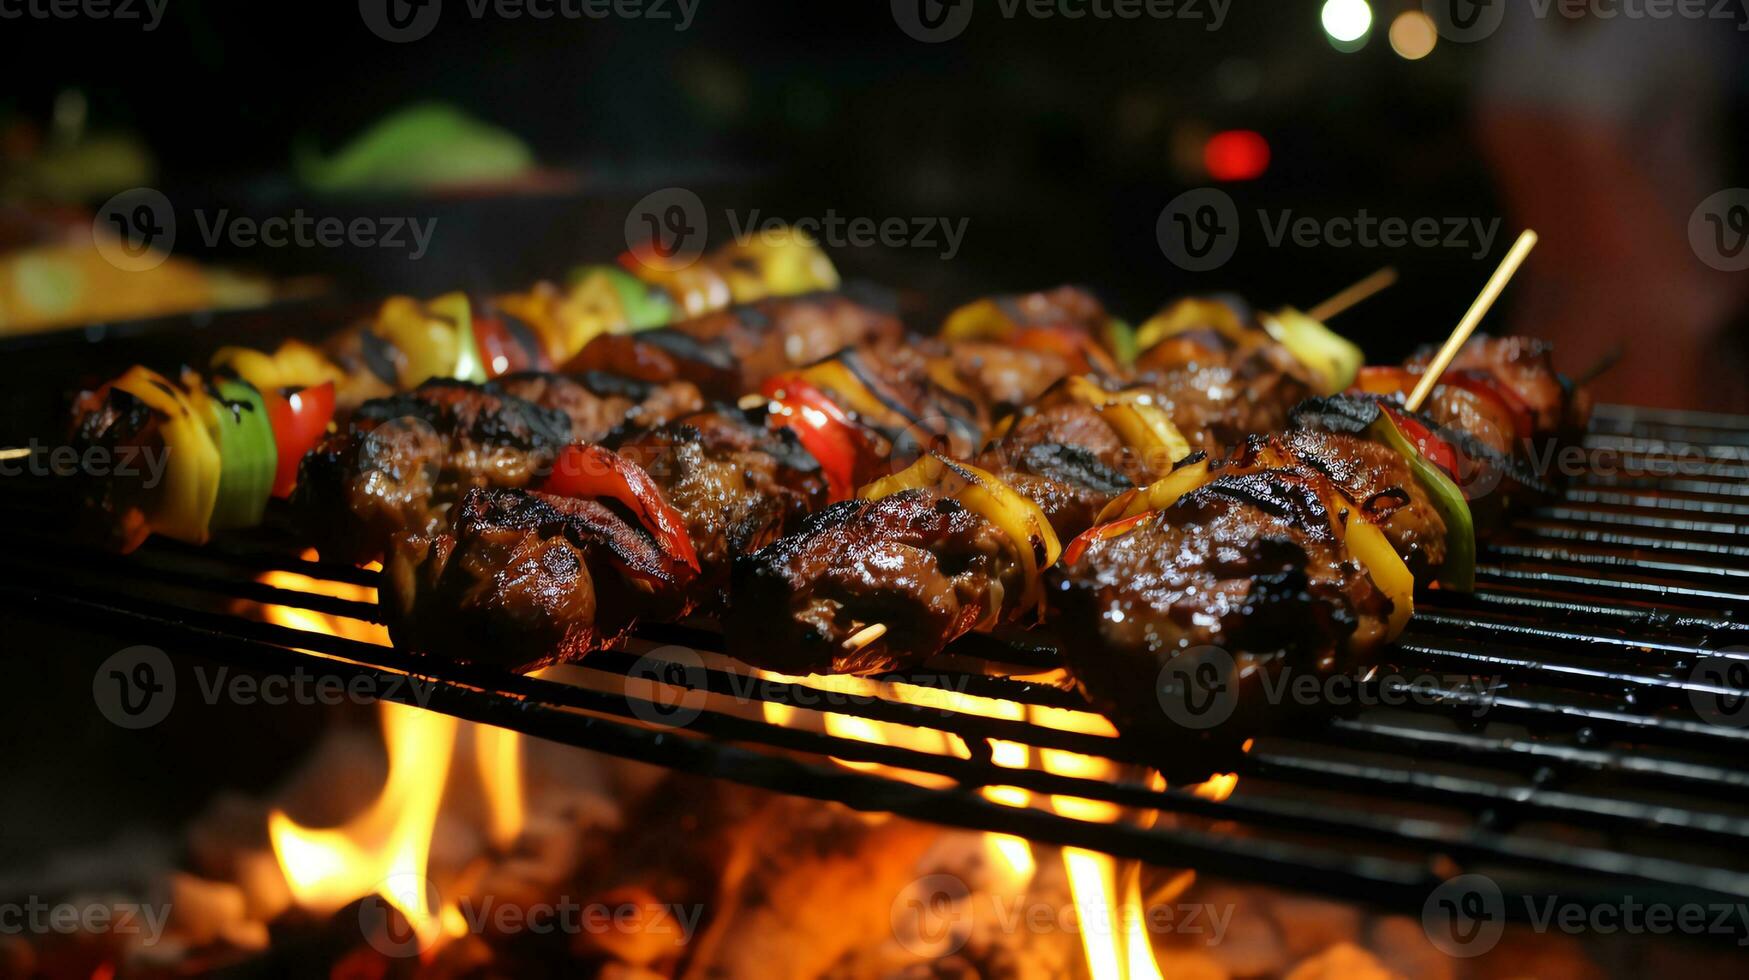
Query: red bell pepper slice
<point x="824" y="430"/>
<point x="589" y="471"/>
<point x="1436" y="450"/>
<point x="1385" y="380"/>
<point x="501" y="353"/>
<point x="1100" y="532"/>
<point x="299" y="418"/>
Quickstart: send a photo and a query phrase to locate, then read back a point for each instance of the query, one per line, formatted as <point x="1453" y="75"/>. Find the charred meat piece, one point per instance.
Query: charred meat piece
<point x="524" y="580"/>
<point x="113" y="512"/>
<point x="738" y="485"/>
<point x="923" y="565"/>
<point x="1002" y="376"/>
<point x="1378" y="479"/>
<point x="1177" y="624"/>
<point x="401" y="462"/>
<point x="1217" y="405"/>
<point x="1525" y="366"/>
<point x="1068" y="459"/>
<point x="730" y="353"/>
<point x="598" y="404"/>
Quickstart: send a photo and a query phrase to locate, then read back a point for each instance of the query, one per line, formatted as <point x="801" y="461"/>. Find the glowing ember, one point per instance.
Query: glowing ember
<point x="1217" y="788"/>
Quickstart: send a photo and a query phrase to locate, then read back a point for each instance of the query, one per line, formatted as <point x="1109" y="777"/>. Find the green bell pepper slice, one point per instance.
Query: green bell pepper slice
<point x="248" y="455"/>
<point x="1459" y="569"/>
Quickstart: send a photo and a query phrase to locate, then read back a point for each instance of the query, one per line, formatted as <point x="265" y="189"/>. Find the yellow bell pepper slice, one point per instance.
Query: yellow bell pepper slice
<point x="1015" y="515"/>
<point x="1369" y="546"/>
<point x="181" y="507"/>
<point x="1333" y="358"/>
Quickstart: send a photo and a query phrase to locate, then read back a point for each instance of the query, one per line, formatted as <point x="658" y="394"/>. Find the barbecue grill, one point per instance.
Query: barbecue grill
<point x="1583" y="742"/>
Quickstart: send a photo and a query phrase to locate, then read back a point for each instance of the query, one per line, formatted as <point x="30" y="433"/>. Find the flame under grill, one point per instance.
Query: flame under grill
<point x="1562" y="752"/>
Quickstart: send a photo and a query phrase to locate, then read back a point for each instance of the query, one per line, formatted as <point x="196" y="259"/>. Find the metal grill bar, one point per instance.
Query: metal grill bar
<point x="1588" y="773"/>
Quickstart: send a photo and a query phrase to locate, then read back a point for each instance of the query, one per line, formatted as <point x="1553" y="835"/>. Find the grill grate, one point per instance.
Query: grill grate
<point x="1562" y="751"/>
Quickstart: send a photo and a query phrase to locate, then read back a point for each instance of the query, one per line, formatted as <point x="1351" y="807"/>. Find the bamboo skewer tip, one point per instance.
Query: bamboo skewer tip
<point x="1478" y="309"/>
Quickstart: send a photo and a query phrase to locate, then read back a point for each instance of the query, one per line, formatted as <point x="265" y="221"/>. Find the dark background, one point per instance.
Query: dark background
<point x="1056" y="138"/>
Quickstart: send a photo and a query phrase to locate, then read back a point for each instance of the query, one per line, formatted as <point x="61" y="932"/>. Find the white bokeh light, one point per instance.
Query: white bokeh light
<point x="1346" y="21"/>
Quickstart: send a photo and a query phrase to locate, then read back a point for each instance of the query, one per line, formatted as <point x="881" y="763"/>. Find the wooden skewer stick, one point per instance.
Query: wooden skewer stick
<point x="1491" y="292"/>
<point x="1364" y="289"/>
<point x="863" y="637"/>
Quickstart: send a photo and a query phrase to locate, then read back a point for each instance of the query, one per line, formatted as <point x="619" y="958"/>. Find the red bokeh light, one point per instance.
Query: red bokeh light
<point x="1236" y="154"/>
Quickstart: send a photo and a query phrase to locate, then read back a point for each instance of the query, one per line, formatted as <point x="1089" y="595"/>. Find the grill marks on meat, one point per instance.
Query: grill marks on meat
<point x="1378" y="479"/>
<point x="598" y="404"/>
<point x="536" y="578"/>
<point x="923" y="565"/>
<point x="401" y="462"/>
<point x="729" y="353"/>
<point x="1216" y="406"/>
<point x="1245" y="565"/>
<point x="523" y="580"/>
<point x="1068" y="459"/>
<point x="738" y="486"/>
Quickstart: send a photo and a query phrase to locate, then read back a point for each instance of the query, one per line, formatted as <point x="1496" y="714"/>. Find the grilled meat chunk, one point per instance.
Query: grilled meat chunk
<point x="923" y="565"/>
<point x="1217" y="405"/>
<point x="524" y="580"/>
<point x="738" y="485"/>
<point x="1002" y="376"/>
<point x="113" y="512"/>
<point x="730" y="353"/>
<point x="1525" y="366"/>
<point x="1068" y="459"/>
<point x="598" y="404"/>
<point x="1178" y="623"/>
<point x="401" y="462"/>
<point x="1378" y="479"/>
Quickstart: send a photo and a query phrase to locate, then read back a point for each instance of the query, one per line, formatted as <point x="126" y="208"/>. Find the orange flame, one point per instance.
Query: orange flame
<point x="386" y="849"/>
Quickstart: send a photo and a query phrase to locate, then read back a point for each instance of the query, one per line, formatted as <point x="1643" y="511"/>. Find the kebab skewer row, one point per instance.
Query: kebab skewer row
<point x="207" y="485"/>
<point x="737" y="481"/>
